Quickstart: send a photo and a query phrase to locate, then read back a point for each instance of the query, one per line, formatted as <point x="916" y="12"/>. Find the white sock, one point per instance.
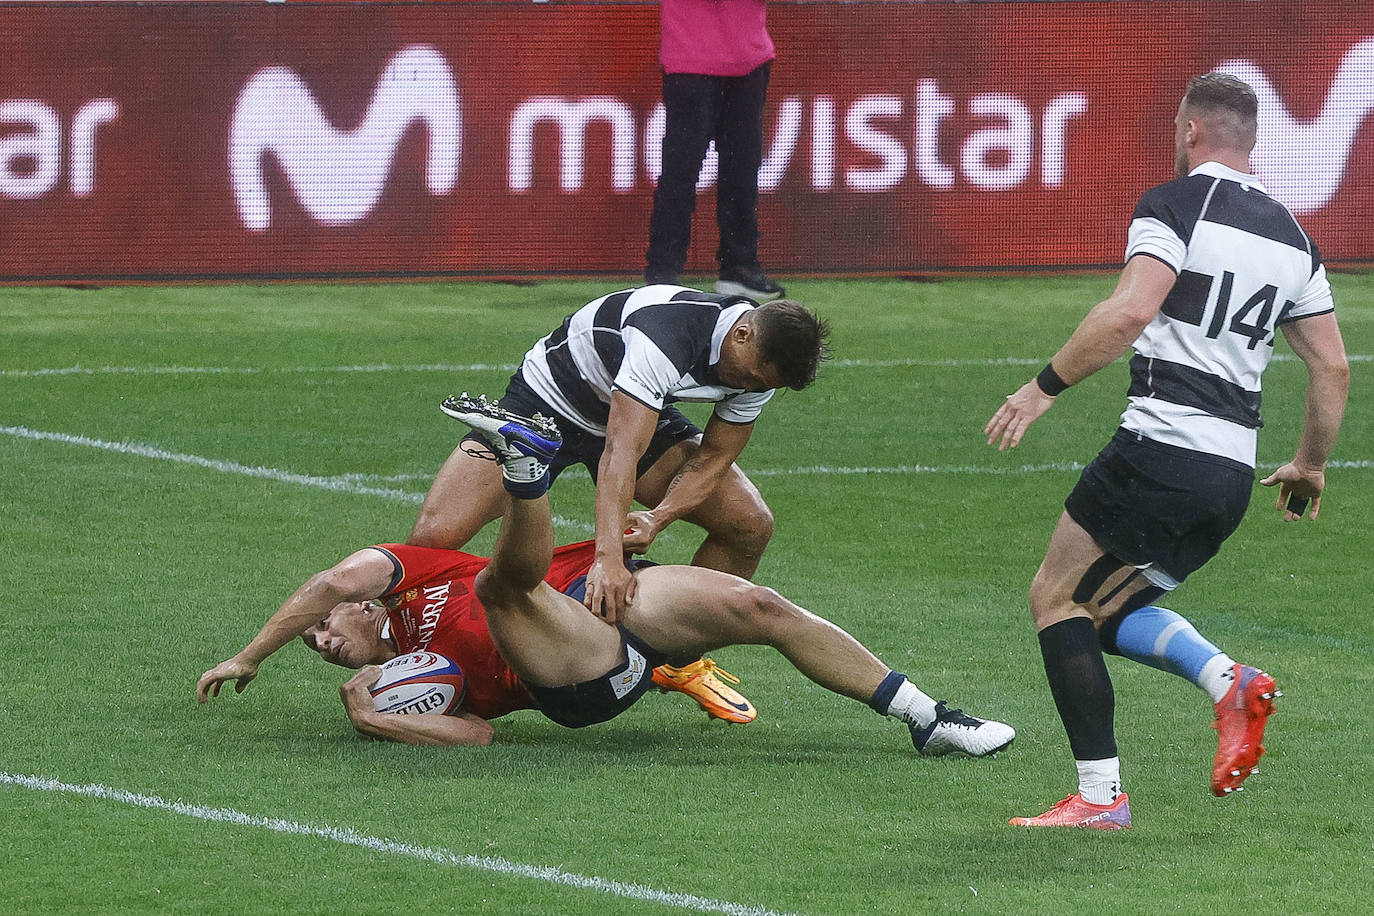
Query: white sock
<point x="912" y="706"/>
<point x="1217" y="676"/>
<point x="523" y="469"/>
<point x="1099" y="781"/>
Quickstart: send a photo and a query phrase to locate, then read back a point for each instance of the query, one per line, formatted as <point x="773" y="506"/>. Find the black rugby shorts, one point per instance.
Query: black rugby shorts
<point x="580" y="446"/>
<point x="1150" y="503"/>
<point x="605" y="697"/>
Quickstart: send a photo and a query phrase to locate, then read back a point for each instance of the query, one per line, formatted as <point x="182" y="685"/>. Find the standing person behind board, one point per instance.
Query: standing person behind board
<point x="716" y="57"/>
<point x="1213" y="267"/>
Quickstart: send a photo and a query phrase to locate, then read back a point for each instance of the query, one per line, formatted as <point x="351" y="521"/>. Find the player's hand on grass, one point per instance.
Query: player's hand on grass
<point x="235" y="669"/>
<point x="641" y="528"/>
<point x="610" y="587"/>
<point x="1022" y="408"/>
<point x="1297" y="486"/>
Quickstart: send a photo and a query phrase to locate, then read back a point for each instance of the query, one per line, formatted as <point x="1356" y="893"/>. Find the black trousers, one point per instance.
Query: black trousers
<point x="729" y="110"/>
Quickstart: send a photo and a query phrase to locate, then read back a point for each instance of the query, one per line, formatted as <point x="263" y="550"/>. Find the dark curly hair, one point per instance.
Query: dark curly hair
<point x="792" y="339"/>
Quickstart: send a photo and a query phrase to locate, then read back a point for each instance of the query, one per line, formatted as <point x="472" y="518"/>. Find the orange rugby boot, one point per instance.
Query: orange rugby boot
<point x="706" y="682"/>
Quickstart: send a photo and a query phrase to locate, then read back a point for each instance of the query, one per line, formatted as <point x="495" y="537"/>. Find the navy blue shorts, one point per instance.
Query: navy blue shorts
<point x="605" y="697"/>
<point x="580" y="446"/>
<point x="1170" y="508"/>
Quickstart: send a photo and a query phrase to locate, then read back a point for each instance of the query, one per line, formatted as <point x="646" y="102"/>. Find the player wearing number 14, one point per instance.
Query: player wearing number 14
<point x="1214" y="266"/>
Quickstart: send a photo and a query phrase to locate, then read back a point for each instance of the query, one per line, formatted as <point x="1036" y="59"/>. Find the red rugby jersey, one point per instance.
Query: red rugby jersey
<point x="432" y="607"/>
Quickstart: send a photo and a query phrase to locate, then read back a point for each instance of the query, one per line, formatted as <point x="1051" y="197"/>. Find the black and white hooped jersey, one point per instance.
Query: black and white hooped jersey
<point x="657" y="344"/>
<point x="1244" y="267"/>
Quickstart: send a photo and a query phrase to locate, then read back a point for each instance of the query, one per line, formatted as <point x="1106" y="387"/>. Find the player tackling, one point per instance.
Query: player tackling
<point x="517" y="627"/>
<point x="611" y="376"/>
<point x="1213" y="267"/>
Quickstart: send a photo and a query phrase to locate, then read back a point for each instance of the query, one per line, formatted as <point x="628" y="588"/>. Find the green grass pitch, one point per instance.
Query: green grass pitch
<point x="177" y="460"/>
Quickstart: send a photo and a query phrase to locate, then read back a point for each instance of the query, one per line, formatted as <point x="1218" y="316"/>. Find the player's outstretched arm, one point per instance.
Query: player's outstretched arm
<point x="1317" y="342"/>
<point x="360" y="576"/>
<point x="440" y="731"/>
<point x="1102" y="336"/>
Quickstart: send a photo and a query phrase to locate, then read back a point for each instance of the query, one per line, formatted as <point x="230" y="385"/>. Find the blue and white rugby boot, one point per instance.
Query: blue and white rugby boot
<point x="523" y="446"/>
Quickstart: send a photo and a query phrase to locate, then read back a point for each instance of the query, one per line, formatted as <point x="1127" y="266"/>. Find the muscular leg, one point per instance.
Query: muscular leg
<point x="1075" y="574"/>
<point x="684" y="610"/>
<point x="738" y="523"/>
<point x="465" y="495"/>
<point x="546" y="637"/>
<point x="1077" y="586"/>
<point x="1072" y="655"/>
<point x="550" y="640"/>
<point x="687" y="609"/>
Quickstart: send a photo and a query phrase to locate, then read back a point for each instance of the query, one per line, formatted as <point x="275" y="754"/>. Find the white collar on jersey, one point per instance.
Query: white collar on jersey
<point x="726" y="321"/>
<point x="1217" y="170"/>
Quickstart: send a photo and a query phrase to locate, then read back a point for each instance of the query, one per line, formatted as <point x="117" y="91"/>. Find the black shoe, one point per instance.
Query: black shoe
<point x="654" y="276"/>
<point x="748" y="281"/>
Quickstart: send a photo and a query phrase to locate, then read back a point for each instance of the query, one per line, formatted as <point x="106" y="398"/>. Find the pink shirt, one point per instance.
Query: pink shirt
<point x="715" y="37"/>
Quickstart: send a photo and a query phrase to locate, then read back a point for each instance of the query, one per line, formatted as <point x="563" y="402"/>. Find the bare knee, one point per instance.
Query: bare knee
<point x="763" y="613"/>
<point x="448" y="525"/>
<point x="465" y="496"/>
<point x="496" y="592"/>
<point x="429" y="531"/>
<point x="444" y="526"/>
<point x="748" y="529"/>
<point x="758" y="528"/>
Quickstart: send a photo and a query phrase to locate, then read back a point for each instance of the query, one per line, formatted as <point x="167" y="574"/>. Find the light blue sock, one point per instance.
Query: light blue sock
<point x="1158" y="637"/>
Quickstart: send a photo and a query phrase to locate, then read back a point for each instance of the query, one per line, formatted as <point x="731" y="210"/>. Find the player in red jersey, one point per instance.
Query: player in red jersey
<point x="524" y="606"/>
<point x="394" y="599"/>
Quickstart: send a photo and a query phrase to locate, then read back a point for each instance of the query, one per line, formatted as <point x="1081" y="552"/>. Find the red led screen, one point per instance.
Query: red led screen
<point x="211" y="141"/>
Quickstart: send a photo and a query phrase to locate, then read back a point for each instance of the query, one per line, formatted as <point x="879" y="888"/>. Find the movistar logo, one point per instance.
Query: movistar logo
<point x="1302" y="163"/>
<point x="339" y="175"/>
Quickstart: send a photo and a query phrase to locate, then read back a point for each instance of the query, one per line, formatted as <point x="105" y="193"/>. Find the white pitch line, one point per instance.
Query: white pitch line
<point x="511" y="367"/>
<point x="1003" y="361"/>
<point x="827" y="470"/>
<point x="343" y="484"/>
<point x="351" y="837"/>
<point x="250" y="370"/>
<point x="1063" y="466"/>
<point x="358" y="483"/>
<point x="935" y="363"/>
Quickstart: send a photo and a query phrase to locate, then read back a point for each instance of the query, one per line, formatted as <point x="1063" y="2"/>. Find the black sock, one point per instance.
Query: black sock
<point x="1082" y="690"/>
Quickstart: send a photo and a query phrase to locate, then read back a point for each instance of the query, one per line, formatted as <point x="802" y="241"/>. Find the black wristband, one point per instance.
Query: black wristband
<point x="1050" y="382"/>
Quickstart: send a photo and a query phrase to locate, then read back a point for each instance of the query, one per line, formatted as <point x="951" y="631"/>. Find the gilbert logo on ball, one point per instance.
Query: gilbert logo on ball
<point x="421" y="683"/>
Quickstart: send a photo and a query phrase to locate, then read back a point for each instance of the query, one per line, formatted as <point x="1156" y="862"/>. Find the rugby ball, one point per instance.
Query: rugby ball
<point x="421" y="683"/>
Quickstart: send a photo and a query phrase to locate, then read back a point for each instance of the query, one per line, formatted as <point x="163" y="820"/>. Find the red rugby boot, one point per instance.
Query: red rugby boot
<point x="1075" y="812"/>
<point x="1241" y="716"/>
